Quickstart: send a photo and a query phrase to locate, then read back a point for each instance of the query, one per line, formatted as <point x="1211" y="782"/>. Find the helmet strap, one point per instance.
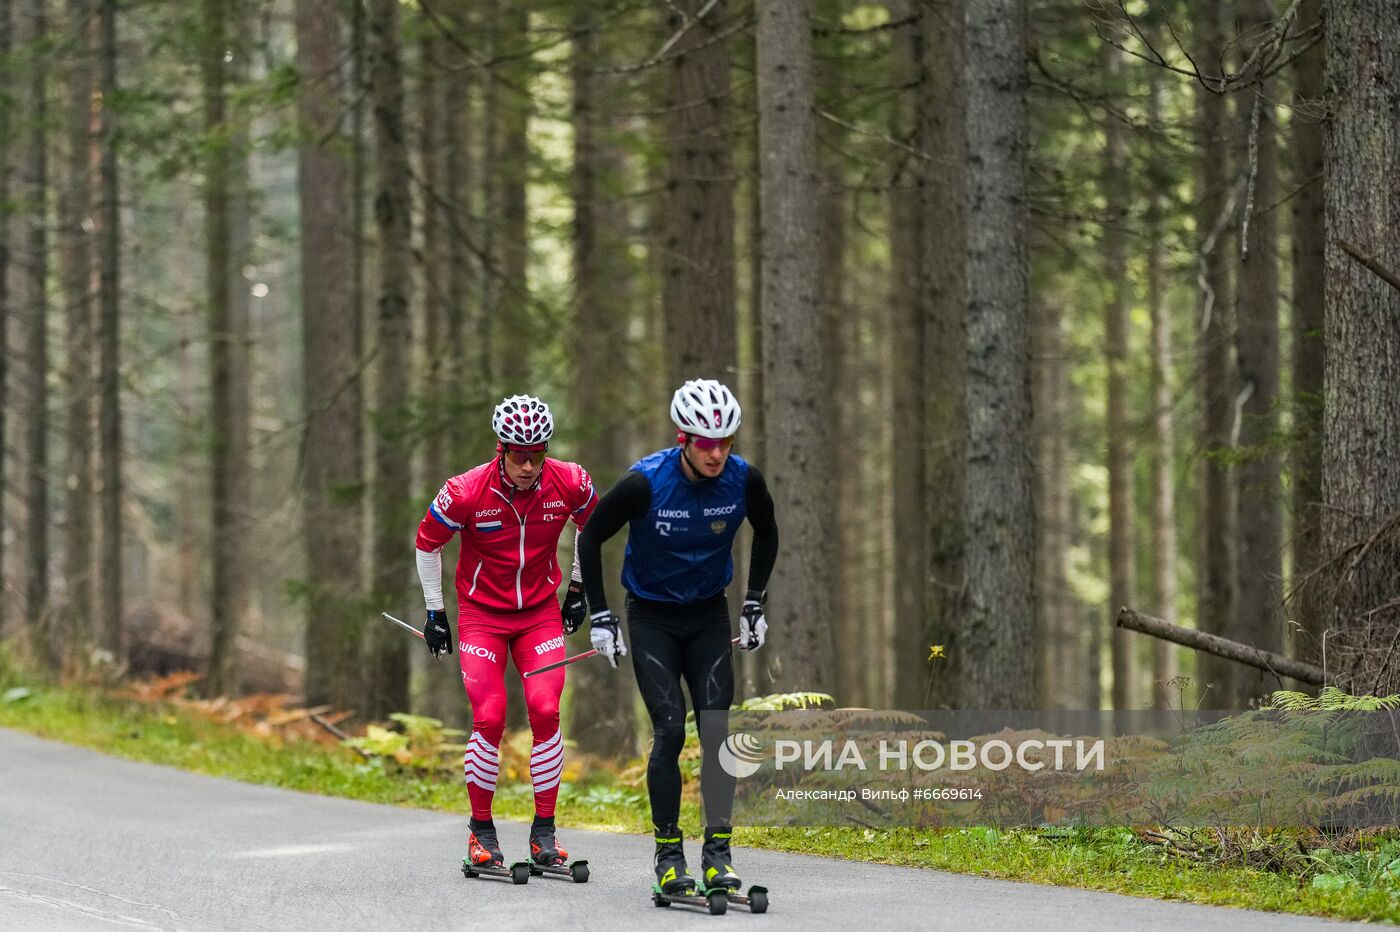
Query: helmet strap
<point x="699" y="476"/>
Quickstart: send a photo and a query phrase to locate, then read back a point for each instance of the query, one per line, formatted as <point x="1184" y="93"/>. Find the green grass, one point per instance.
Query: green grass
<point x="1350" y="887"/>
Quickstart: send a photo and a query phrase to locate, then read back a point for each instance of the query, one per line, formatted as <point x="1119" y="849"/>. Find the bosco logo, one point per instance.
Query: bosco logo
<point x="548" y="646"/>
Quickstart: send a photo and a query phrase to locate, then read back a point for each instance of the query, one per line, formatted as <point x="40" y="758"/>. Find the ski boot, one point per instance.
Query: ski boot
<point x="673" y="882"/>
<point x="484" y="857"/>
<point x="718" y="875"/>
<point x="547" y="857"/>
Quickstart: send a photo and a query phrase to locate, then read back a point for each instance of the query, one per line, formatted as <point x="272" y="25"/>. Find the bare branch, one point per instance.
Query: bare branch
<point x="1369" y="261"/>
<point x="1247" y="654"/>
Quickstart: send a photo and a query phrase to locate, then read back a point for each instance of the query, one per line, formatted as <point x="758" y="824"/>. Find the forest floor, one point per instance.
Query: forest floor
<point x="260" y="740"/>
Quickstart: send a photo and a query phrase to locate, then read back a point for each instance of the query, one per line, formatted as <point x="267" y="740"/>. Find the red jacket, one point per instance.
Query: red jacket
<point x="508" y="560"/>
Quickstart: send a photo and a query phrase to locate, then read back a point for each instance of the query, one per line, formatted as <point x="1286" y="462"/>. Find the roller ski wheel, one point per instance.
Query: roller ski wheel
<point x="755" y="900"/>
<point x="715" y="901"/>
<point x="577" y="871"/>
<point x="517" y="873"/>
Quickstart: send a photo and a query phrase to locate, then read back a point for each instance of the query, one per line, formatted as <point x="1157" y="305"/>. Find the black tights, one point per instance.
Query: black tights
<point x="671" y="641"/>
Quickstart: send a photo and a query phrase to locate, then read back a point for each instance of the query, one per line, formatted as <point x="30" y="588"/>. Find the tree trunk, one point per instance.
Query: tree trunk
<point x="752" y="665"/>
<point x="32" y="311"/>
<point x="1121" y="507"/>
<point x="512" y="318"/>
<point x="332" y="478"/>
<point x="390" y="561"/>
<point x="1059" y="645"/>
<point x="1361" y="420"/>
<point x="999" y="621"/>
<point x="907" y="374"/>
<point x="603" y="722"/>
<point x="698" y="283"/>
<point x="438" y="350"/>
<point x="1163" y="444"/>
<point x="471" y="398"/>
<point x="1258" y="614"/>
<point x="796" y="413"/>
<point x="6" y="312"/>
<point x="75" y="206"/>
<point x="850" y="582"/>
<point x="192" y="537"/>
<point x="109" y="427"/>
<point x="1309" y="239"/>
<point x="943" y="135"/>
<point x="1216" y="575"/>
<point x="224" y="197"/>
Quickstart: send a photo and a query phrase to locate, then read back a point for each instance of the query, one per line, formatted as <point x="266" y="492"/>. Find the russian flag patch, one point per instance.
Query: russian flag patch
<point x="488" y="526"/>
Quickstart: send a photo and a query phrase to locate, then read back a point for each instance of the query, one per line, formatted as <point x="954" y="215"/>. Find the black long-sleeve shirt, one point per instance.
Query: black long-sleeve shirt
<point x="630" y="498"/>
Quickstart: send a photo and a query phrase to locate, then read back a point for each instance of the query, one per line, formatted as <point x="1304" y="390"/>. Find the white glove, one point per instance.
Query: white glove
<point x="752" y="625"/>
<point x="606" y="636"/>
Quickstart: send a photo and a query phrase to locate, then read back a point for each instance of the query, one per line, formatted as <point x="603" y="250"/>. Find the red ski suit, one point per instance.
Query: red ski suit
<point x="508" y="580"/>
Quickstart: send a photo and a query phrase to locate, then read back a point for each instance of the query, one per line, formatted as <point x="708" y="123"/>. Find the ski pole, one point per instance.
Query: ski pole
<point x="407" y="627"/>
<point x="574" y="659"/>
<point x="560" y="663"/>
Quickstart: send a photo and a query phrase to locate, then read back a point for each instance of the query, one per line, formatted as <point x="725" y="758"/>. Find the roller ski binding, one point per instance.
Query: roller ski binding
<point x="717" y="874"/>
<point x="674" y="885"/>
<point x="547" y="858"/>
<point x="484" y="858"/>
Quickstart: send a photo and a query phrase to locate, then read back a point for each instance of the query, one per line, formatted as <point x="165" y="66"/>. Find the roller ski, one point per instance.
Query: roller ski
<point x="717" y="874"/>
<point x="674" y="885"/>
<point x="548" y="858"/>
<point x="484" y="858"/>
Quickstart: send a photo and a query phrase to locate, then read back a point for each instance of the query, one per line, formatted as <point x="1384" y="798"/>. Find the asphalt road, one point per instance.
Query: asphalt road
<point x="94" y="842"/>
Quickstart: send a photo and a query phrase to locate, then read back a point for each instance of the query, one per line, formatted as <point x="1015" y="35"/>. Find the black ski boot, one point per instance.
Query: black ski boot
<point x="544" y="847"/>
<point x="715" y="868"/>
<point x="483" y="850"/>
<point x="671" y="875"/>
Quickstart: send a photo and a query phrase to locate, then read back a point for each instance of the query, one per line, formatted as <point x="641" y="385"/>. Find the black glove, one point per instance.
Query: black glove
<point x="437" y="632"/>
<point x="575" y="609"/>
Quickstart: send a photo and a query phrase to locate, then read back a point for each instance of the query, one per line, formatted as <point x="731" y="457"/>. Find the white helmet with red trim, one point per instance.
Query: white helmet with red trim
<point x="705" y="408"/>
<point x="523" y="420"/>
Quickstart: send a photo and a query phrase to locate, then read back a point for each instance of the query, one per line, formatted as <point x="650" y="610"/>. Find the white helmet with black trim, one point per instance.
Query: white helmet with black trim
<point x="523" y="420"/>
<point x="705" y="408"/>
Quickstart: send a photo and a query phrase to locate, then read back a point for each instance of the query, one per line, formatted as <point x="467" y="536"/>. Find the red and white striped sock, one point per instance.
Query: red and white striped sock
<point x="546" y="767"/>
<point x="481" y="764"/>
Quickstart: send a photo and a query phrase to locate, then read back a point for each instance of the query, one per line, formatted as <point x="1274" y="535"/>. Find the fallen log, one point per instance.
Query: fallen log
<point x="1223" y="647"/>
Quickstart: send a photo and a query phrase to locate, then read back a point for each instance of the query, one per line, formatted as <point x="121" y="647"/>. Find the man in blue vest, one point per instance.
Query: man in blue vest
<point x="684" y="506"/>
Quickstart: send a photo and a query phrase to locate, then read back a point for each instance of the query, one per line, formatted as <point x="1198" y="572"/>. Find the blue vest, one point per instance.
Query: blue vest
<point x="680" y="550"/>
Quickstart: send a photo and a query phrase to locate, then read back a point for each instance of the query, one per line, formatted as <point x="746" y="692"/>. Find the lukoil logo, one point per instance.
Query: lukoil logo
<point x="476" y="651"/>
<point x="741" y="754"/>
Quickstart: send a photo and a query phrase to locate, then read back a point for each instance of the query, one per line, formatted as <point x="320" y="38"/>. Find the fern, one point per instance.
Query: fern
<point x="1331" y="699"/>
<point x="778" y="701"/>
<point x="772" y="703"/>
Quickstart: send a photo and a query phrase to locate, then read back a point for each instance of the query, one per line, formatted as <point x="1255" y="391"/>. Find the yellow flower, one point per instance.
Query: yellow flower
<point x="935" y="650"/>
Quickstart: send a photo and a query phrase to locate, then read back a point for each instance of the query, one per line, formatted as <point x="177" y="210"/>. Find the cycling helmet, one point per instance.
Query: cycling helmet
<point x="705" y="408"/>
<point x="523" y="420"/>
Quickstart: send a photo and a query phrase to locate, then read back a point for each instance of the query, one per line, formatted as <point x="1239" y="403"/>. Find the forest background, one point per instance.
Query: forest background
<point x="1035" y="310"/>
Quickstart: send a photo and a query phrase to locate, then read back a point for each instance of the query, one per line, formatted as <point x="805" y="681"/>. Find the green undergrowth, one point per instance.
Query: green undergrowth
<point x="1363" y="883"/>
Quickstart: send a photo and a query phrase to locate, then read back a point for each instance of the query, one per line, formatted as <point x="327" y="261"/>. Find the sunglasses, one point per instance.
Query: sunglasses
<point x="521" y="457"/>
<point x="707" y="444"/>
